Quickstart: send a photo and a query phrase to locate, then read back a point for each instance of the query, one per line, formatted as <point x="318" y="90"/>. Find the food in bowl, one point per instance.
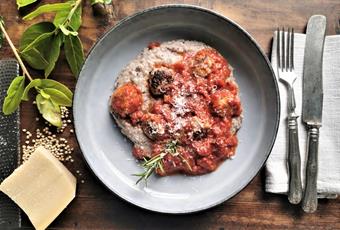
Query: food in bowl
<point x="178" y="102"/>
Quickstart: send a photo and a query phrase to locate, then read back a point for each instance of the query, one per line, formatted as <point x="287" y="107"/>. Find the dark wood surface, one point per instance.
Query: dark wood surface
<point x="95" y="207"/>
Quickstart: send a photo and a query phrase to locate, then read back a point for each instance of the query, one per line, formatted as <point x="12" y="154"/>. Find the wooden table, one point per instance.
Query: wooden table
<point x="96" y="207"/>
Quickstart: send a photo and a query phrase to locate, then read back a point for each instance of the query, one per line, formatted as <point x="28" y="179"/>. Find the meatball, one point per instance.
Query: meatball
<point x="202" y="147"/>
<point x="159" y="81"/>
<point x="221" y="103"/>
<point x="203" y="64"/>
<point x="225" y="146"/>
<point x="154" y="127"/>
<point x="126" y="100"/>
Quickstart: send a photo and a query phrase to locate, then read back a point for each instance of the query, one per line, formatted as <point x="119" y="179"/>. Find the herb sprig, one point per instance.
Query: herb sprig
<point x="41" y="43"/>
<point x="1" y="34"/>
<point x="40" y="47"/>
<point x="154" y="163"/>
<point x="50" y="94"/>
<point x="22" y="3"/>
<point x="150" y="166"/>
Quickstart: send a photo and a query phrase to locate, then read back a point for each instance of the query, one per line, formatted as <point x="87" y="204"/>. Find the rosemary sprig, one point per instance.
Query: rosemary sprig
<point x="149" y="167"/>
<point x="156" y="162"/>
<point x="171" y="147"/>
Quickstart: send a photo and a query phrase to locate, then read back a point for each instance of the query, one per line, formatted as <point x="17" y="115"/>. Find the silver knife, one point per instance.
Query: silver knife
<point x="312" y="104"/>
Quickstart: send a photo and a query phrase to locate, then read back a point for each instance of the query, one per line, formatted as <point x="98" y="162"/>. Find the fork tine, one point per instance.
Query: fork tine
<point x="283" y="66"/>
<point x="288" y="50"/>
<point x="278" y="49"/>
<point x="292" y="50"/>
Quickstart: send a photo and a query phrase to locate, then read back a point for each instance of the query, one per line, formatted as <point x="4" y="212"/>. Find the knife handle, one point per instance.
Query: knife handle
<point x="294" y="162"/>
<point x="310" y="200"/>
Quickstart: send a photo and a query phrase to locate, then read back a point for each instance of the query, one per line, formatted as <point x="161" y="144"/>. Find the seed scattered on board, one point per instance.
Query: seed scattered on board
<point x="57" y="145"/>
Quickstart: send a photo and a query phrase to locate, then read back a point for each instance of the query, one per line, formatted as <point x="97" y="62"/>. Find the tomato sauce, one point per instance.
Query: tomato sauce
<point x="153" y="45"/>
<point x="194" y="104"/>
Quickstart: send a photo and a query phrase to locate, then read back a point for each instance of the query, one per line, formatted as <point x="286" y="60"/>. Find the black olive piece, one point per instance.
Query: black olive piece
<point x="158" y="81"/>
<point x="200" y="134"/>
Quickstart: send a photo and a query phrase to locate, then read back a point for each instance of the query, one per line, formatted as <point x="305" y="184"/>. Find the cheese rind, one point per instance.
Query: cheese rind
<point x="42" y="187"/>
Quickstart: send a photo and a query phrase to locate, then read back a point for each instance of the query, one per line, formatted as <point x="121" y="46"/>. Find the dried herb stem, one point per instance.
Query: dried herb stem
<point x="21" y="63"/>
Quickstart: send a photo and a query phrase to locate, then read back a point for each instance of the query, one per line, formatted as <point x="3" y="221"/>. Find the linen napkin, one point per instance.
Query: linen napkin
<point x="328" y="183"/>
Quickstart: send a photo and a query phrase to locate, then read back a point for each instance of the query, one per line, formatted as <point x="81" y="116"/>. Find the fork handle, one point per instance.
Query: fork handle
<point x="310" y="200"/>
<point x="294" y="162"/>
<point x="291" y="99"/>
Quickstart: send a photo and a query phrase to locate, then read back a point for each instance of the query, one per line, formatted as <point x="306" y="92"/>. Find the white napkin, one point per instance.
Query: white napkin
<point x="328" y="183"/>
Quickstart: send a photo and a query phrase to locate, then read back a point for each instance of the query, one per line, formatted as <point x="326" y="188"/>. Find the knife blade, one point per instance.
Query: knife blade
<point x="312" y="103"/>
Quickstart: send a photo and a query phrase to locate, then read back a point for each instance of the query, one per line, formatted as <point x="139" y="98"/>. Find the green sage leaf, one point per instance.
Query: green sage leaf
<point x="53" y="54"/>
<point x="67" y="32"/>
<point x="33" y="32"/>
<point x="74" y="53"/>
<point x="75" y="20"/>
<point x="35" y="44"/>
<point x="44" y="95"/>
<point x="48" y="8"/>
<point x="49" y="110"/>
<point x="48" y="83"/>
<point x="32" y="84"/>
<point x="14" y="95"/>
<point x="58" y="97"/>
<point x="38" y="41"/>
<point x="37" y="56"/>
<point x="22" y="3"/>
<point x="42" y="84"/>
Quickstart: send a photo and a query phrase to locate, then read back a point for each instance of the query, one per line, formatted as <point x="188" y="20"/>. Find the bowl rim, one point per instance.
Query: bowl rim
<point x="259" y="50"/>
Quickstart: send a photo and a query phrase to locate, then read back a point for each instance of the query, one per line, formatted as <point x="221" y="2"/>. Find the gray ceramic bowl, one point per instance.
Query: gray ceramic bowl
<point x="108" y="153"/>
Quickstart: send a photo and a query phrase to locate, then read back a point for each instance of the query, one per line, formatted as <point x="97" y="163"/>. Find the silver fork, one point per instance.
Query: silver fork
<point x="285" y="68"/>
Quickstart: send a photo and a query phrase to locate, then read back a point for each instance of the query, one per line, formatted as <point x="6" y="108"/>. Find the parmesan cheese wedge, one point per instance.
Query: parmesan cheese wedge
<point x="42" y="187"/>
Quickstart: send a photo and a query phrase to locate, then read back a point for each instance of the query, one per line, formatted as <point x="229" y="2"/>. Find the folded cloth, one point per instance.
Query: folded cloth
<point x="328" y="183"/>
